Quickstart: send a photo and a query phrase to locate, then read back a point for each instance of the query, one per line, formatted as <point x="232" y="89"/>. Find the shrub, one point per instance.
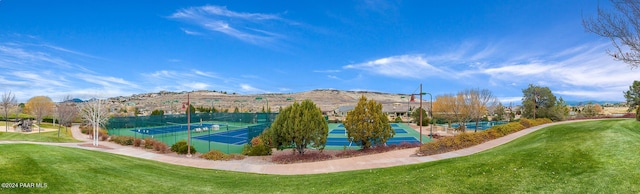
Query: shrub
<point x="181" y="147"/>
<point x="161" y="147"/>
<point x="123" y="140"/>
<point x="465" y="140"/>
<point x="137" y="142"/>
<point x="218" y="155"/>
<point x="148" y="143"/>
<point x="307" y="157"/>
<point x="398" y="120"/>
<point x="256" y="148"/>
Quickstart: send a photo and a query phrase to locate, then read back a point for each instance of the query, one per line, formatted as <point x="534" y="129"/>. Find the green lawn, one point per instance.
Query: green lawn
<point x="586" y="157"/>
<point x="52" y="136"/>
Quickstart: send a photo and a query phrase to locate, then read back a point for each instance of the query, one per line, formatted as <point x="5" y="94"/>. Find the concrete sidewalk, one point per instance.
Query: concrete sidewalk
<point x="387" y="159"/>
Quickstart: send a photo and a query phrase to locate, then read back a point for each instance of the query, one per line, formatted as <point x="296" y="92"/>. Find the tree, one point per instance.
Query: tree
<point x="460" y="110"/>
<point x="190" y="109"/>
<point x="416" y="117"/>
<point x="633" y="98"/>
<point x="560" y="111"/>
<point x="590" y="110"/>
<point x="443" y="106"/>
<point x="479" y="102"/>
<point x="8" y="100"/>
<point x="621" y="28"/>
<point x="157" y="112"/>
<point x="537" y="102"/>
<point x="39" y="106"/>
<point x="367" y="124"/>
<point x="500" y="113"/>
<point x="96" y="113"/>
<point x="66" y="112"/>
<point x="300" y="125"/>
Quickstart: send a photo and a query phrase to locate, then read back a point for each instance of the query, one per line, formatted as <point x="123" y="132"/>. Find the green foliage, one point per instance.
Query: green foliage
<point x="416" y="117"/>
<point x="367" y="124"/>
<point x="157" y="112"/>
<point x="398" y="120"/>
<point x="181" y="147"/>
<point x="218" y="155"/>
<point x="499" y="112"/>
<point x="538" y="102"/>
<point x="190" y="109"/>
<point x="122" y="140"/>
<point x="52" y="136"/>
<point x="559" y="159"/>
<point x="257" y="147"/>
<point x="633" y="98"/>
<point x="300" y="125"/>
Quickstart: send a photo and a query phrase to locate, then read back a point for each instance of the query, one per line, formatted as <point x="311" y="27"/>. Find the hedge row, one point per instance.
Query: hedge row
<point x="465" y="140"/>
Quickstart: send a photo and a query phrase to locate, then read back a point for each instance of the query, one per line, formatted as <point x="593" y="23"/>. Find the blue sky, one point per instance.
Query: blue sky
<point x="119" y="48"/>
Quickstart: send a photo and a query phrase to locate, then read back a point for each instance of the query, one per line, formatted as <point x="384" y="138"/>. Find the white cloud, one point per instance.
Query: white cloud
<point x="247" y="27"/>
<point x="402" y="66"/>
<point x="327" y="71"/>
<point x="250" y="89"/>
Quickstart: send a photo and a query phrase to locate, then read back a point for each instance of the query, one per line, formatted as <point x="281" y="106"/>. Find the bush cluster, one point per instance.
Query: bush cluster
<point x="218" y="155"/>
<point x="181" y="147"/>
<point x="307" y="157"/>
<point x="137" y="142"/>
<point x="375" y="150"/>
<point x="465" y="140"/>
<point x="256" y="148"/>
<point x="122" y="140"/>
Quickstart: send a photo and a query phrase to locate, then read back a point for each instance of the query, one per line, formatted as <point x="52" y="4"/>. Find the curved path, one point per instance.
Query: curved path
<point x="387" y="159"/>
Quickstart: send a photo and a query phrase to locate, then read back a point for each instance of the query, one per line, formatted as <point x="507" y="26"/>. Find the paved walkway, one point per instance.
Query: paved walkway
<point x="388" y="159"/>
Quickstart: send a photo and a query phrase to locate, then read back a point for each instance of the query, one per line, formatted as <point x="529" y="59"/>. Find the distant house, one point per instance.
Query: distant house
<point x="343" y="110"/>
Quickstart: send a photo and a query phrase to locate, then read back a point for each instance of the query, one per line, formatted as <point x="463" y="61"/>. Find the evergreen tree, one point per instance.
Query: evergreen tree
<point x="633" y="98"/>
<point x="299" y="125"/>
<point x="416" y="117"/>
<point x="367" y="124"/>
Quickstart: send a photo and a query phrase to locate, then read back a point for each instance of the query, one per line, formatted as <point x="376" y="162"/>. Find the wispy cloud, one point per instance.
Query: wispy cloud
<point x="327" y="71"/>
<point x="250" y="89"/>
<point x="253" y="28"/>
<point x="583" y="71"/>
<point x="402" y="66"/>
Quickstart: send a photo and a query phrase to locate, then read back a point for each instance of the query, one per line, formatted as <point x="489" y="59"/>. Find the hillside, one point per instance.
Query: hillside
<point x="327" y="100"/>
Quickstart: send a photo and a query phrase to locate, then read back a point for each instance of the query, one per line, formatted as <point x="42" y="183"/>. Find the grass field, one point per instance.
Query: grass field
<point x="52" y="136"/>
<point x="585" y="157"/>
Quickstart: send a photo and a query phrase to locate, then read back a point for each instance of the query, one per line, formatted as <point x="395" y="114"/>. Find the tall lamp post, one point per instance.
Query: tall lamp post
<point x="188" y="126"/>
<point x="265" y="98"/>
<point x="430" y="112"/>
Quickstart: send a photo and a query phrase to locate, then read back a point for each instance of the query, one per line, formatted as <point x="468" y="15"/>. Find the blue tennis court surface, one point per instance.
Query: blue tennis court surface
<point x="343" y="131"/>
<point x="235" y="137"/>
<point x="392" y="125"/>
<point x="341" y="141"/>
<point x="170" y="129"/>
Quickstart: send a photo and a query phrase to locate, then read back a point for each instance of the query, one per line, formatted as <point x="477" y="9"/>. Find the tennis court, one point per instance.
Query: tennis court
<point x="344" y="131"/>
<point x="172" y="129"/>
<point x="404" y="134"/>
<point x="235" y="137"/>
<point x="338" y="141"/>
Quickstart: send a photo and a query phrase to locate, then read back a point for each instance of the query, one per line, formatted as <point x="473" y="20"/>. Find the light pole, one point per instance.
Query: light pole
<point x="265" y="98"/>
<point x="430" y="114"/>
<point x="188" y="126"/>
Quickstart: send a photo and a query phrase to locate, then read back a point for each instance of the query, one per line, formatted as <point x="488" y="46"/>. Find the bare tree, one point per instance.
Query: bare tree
<point x="479" y="102"/>
<point x="621" y="27"/>
<point x="460" y="110"/>
<point x="66" y="112"/>
<point x="8" y="100"/>
<point x="96" y="113"/>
